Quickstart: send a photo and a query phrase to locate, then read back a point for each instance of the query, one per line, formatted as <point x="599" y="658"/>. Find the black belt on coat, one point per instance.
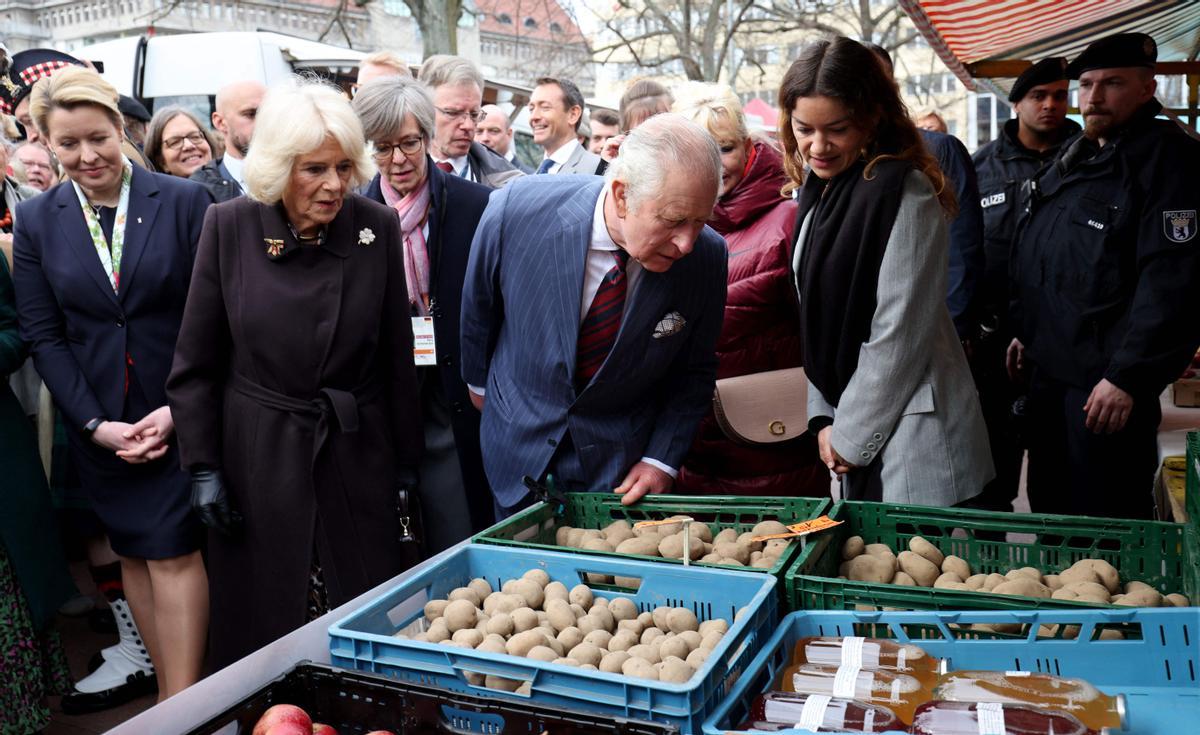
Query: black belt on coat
<point x="333" y="409"/>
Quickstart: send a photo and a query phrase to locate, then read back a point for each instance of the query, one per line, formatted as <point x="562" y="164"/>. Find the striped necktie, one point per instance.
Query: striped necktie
<point x="598" y="333"/>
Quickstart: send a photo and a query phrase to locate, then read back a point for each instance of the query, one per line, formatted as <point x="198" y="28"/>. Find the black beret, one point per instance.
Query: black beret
<point x="130" y="107"/>
<point x="1052" y="69"/>
<point x="19" y="74"/>
<point x="1111" y="52"/>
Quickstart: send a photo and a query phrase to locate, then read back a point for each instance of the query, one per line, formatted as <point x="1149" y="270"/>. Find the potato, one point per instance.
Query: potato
<point x="646" y="619"/>
<point x="1028" y="572"/>
<point x="1109" y="576"/>
<point x="611" y="663"/>
<point x="617" y="531"/>
<point x="1136" y="585"/>
<point x="1089" y="590"/>
<point x="522" y="643"/>
<point x="716" y="625"/>
<point x="904" y="580"/>
<point x="560" y="615"/>
<point x="878" y="550"/>
<point x="575" y="537"/>
<point x="599" y="602"/>
<point x="635" y="626"/>
<point x="951" y="585"/>
<point x="854" y="546"/>
<point x="710" y="559"/>
<point x="1025" y="586"/>
<point x="767" y="528"/>
<point x="639" y="545"/>
<point x="554" y="591"/>
<point x="598" y="544"/>
<point x="764" y="563"/>
<point x="599" y="638"/>
<point x="500" y="683"/>
<point x="500" y="624"/>
<point x="537" y="575"/>
<point x="586" y="653"/>
<point x="727" y="534"/>
<point x="975" y="581"/>
<point x="672" y="547"/>
<point x="542" y="653"/>
<point x="675" y="670"/>
<point x="570" y="637"/>
<point x="947" y="578"/>
<point x="623" y="641"/>
<point x="745" y="539"/>
<point x="1140" y="598"/>
<point x="992" y="580"/>
<point x="581" y="595"/>
<point x="564" y="661"/>
<point x="867" y="568"/>
<point x="499" y="602"/>
<point x="645" y="652"/>
<point x="434" y="609"/>
<point x="659" y="615"/>
<point x="957" y="565"/>
<point x="603" y="617"/>
<point x="482" y="588"/>
<point x="650" y="634"/>
<point x="916" y="566"/>
<point x="737" y="551"/>
<point x="588" y="624"/>
<point x="438" y="631"/>
<point x="1065" y="593"/>
<point x="533" y="593"/>
<point x="691" y="638"/>
<point x="492" y="644"/>
<point x="775" y="548"/>
<point x="676" y="646"/>
<point x="460" y="614"/>
<point x="558" y="647"/>
<point x="561" y="535"/>
<point x="524" y="619"/>
<point x="697" y="657"/>
<point x="1177" y="600"/>
<point x="1079" y="573"/>
<point x="623" y="608"/>
<point x="681" y="619"/>
<point x="639" y="669"/>
<point x="919" y="545"/>
<point x="1053" y="581"/>
<point x="1111" y="634"/>
<point x="578" y="610"/>
<point x="711" y="640"/>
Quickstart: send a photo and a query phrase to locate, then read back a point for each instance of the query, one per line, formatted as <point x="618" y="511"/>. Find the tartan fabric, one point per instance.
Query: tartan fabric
<point x="31" y="74"/>
<point x="598" y="333"/>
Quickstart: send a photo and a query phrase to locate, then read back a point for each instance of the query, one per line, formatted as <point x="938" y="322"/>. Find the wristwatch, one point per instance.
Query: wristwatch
<point x="90" y="427"/>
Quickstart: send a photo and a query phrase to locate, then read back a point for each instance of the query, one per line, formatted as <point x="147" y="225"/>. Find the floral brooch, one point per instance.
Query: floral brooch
<point x="365" y="236"/>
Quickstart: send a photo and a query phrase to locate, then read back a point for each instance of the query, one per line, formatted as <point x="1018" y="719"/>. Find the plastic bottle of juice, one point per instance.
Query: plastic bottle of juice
<point x="900" y="693"/>
<point x="1073" y="696"/>
<point x="992" y="718"/>
<point x="870" y="654"/>
<point x="819" y="713"/>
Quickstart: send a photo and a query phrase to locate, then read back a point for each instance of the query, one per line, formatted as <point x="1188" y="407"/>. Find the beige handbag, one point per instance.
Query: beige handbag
<point x="763" y="408"/>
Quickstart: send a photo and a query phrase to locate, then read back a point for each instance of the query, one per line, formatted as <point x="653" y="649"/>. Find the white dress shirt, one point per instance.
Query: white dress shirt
<point x="461" y="166"/>
<point x="600" y="260"/>
<point x="236" y="168"/>
<point x="562" y="155"/>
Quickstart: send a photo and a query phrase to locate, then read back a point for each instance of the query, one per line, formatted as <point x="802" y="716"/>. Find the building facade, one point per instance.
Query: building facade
<point x="521" y="40"/>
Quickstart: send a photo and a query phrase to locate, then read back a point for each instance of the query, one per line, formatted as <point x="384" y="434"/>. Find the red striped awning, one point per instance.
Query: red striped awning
<point x="964" y="32"/>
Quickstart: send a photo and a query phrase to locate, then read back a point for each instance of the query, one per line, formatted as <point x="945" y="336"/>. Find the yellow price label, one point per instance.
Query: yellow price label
<point x="796" y="530"/>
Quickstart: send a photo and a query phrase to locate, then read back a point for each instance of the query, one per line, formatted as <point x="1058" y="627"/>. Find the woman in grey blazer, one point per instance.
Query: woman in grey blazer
<point x="891" y="398"/>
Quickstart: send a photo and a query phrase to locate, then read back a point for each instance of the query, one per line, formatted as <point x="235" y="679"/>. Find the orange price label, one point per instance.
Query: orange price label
<point x="804" y="528"/>
<point x="663" y="522"/>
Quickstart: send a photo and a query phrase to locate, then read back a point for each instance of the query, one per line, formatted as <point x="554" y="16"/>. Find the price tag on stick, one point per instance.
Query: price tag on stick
<point x="798" y="530"/>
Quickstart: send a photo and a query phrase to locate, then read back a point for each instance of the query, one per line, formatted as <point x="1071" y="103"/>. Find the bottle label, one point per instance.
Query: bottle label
<point x="845" y="683"/>
<point x="990" y="718"/>
<point x="901" y="656"/>
<point x="1016" y="674"/>
<point x="813" y="714"/>
<point x="869" y="720"/>
<point x="852" y="651"/>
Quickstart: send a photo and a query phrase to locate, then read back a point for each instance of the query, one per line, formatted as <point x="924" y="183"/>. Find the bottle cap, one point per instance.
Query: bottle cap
<point x="1122" y="712"/>
<point x="943" y="666"/>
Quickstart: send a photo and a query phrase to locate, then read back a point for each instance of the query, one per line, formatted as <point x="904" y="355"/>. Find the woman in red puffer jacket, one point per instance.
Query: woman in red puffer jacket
<point x="762" y="327"/>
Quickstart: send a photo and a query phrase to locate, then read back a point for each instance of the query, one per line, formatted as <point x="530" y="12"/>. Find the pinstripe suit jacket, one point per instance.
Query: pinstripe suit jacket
<point x="911" y="405"/>
<point x="520" y="325"/>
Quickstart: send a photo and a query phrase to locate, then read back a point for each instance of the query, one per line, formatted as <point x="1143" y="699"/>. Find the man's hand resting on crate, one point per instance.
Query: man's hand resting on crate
<point x="643" y="478"/>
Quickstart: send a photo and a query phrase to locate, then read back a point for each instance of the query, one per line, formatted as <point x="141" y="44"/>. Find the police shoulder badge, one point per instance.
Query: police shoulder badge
<point x="1179" y="225"/>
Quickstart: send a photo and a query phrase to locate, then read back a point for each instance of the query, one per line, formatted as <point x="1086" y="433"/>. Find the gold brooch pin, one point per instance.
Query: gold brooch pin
<point x="274" y="246"/>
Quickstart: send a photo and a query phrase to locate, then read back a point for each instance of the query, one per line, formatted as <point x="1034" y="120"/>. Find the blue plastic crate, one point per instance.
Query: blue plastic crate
<point x="364" y="641"/>
<point x="1157" y="672"/>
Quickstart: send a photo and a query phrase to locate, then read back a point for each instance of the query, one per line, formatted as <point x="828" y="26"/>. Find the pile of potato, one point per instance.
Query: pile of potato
<point x="924" y="565"/>
<point x="726" y="547"/>
<point x="536" y="618"/>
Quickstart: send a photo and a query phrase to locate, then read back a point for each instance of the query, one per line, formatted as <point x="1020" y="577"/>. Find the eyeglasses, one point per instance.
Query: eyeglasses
<point x="409" y="146"/>
<point x="475" y="115"/>
<point x="176" y="143"/>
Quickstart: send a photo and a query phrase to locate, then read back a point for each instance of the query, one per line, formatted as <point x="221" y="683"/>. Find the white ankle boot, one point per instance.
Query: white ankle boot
<point x="126" y="673"/>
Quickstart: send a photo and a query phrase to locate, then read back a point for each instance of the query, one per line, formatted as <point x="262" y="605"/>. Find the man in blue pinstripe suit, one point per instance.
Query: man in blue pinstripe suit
<point x="591" y="311"/>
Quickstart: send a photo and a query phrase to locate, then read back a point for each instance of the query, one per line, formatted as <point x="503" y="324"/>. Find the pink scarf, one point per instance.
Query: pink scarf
<point x="413" y="209"/>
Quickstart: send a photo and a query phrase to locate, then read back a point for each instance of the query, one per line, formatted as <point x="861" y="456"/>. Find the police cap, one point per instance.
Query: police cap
<point x="130" y="107"/>
<point x="1122" y="49"/>
<point x="1052" y="69"/>
<point x="18" y="74"/>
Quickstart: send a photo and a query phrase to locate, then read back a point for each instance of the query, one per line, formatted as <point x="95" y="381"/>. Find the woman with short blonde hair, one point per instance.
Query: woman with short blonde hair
<point x="294" y="378"/>
<point x="102" y="265"/>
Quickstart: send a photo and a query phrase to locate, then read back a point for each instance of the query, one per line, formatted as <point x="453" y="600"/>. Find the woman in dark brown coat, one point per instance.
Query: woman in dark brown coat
<point x="293" y="388"/>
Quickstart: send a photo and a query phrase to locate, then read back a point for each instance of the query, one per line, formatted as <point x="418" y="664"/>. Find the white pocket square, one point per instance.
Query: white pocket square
<point x="669" y="325"/>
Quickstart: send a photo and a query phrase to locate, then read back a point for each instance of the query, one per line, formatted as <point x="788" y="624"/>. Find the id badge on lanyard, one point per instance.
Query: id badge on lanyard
<point x="424" y="344"/>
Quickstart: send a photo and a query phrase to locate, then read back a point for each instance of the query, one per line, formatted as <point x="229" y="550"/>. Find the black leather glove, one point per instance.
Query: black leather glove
<point x="210" y="502"/>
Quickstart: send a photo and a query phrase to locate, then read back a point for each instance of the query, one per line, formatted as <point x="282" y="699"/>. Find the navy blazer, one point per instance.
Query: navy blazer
<point x="80" y="330"/>
<point x="520" y="328"/>
<point x="456" y="205"/>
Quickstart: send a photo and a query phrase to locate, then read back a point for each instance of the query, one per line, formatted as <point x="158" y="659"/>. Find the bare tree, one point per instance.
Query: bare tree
<point x="438" y="21"/>
<point x="540" y="38"/>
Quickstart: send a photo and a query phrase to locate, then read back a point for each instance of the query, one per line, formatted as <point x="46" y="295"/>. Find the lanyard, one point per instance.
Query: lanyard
<point x="110" y="258"/>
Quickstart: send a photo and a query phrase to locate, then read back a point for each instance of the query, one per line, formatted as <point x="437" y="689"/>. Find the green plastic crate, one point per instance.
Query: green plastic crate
<point x="1191" y="500"/>
<point x="535" y="526"/>
<point x="1162" y="555"/>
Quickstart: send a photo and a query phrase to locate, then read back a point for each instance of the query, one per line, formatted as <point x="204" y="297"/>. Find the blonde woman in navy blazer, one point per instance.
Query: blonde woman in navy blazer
<point x="102" y="264"/>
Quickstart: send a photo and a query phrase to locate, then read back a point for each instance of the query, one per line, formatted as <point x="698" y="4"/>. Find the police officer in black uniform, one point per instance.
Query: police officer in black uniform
<point x="1106" y="288"/>
<point x="1026" y="143"/>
